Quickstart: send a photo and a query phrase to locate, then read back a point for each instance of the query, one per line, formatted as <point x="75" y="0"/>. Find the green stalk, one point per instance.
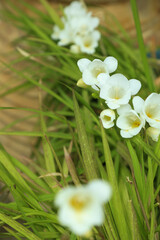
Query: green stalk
<point x="146" y="66"/>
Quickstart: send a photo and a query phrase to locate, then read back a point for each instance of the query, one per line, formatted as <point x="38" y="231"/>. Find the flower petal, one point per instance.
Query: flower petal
<point x="135" y="86"/>
<point x="112" y="105"/>
<point x="94" y="215"/>
<point x="138" y="104"/>
<point x="100" y="189"/>
<point x="122" y="122"/>
<point x="111" y="63"/>
<point x="102" y="79"/>
<point x="80" y="229"/>
<point x="82" y="64"/>
<point x="126" y="134"/>
<point x="153" y="133"/>
<point x="153" y="98"/>
<point x="63" y="196"/>
<point x="124" y="108"/>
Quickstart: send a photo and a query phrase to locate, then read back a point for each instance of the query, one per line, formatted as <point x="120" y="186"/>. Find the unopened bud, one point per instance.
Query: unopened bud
<point x="75" y="49"/>
<point x="81" y="83"/>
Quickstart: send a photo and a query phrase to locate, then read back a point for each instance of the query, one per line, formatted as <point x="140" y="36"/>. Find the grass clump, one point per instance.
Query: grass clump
<point x="72" y="146"/>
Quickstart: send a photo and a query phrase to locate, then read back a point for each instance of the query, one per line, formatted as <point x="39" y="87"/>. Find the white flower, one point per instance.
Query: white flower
<point x="79" y="29"/>
<point x="117" y="90"/>
<point x="56" y="33"/>
<point x="153" y="133"/>
<point x="66" y="35"/>
<point x="150" y="108"/>
<point x="107" y="117"/>
<point x="84" y="25"/>
<point x="130" y="123"/>
<point x="91" y="70"/>
<point x="80" y="208"/>
<point x="88" y="43"/>
<point x="75" y="9"/>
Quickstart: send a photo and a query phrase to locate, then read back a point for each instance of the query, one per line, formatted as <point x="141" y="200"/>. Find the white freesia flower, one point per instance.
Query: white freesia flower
<point x="118" y="90"/>
<point x="91" y="70"/>
<point x="66" y="35"/>
<point x="150" y="108"/>
<point x="130" y="123"/>
<point x="107" y="117"/>
<point x="79" y="29"/>
<point x="88" y="43"/>
<point x="75" y="9"/>
<point x="84" y="25"/>
<point x="80" y="208"/>
<point x="153" y="133"/>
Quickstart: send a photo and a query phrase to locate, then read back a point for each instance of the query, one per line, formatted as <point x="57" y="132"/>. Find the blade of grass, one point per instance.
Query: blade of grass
<point x="147" y="149"/>
<point x="18" y="227"/>
<point x="54" y="16"/>
<point x="146" y="66"/>
<point x="36" y="134"/>
<point x="71" y="167"/>
<point x="137" y="170"/>
<point x="48" y="156"/>
<point x="116" y="204"/>
<point x="88" y="162"/>
<point x="12" y="233"/>
<point x="151" y="199"/>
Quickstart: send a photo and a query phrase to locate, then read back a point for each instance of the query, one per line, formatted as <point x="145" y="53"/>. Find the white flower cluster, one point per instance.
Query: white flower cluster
<point x="81" y="207"/>
<point x="117" y="91"/>
<point x="79" y="29"/>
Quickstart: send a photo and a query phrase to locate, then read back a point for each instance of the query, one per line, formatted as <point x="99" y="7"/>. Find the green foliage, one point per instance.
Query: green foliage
<point x="78" y="149"/>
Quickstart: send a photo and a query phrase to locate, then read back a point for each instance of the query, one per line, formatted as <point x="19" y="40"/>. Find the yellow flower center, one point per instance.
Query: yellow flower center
<point x="79" y="202"/>
<point x="149" y="115"/>
<point x="87" y="44"/>
<point x="107" y="118"/>
<point x="135" y="124"/>
<point x="98" y="70"/>
<point x="116" y="93"/>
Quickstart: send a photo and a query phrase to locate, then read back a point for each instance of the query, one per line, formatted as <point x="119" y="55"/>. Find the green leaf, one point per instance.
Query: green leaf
<point x="151" y="198"/>
<point x="146" y="147"/>
<point x="36" y="134"/>
<point x="49" y="160"/>
<point x="137" y="169"/>
<point x="115" y="202"/>
<point x="71" y="167"/>
<point x="4" y="160"/>
<point x="18" y="227"/>
<point x="54" y="16"/>
<point x="12" y="233"/>
<point x="88" y="161"/>
<point x="146" y="66"/>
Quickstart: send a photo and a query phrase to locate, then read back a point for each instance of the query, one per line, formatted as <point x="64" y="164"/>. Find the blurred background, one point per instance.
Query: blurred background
<point x="21" y="147"/>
